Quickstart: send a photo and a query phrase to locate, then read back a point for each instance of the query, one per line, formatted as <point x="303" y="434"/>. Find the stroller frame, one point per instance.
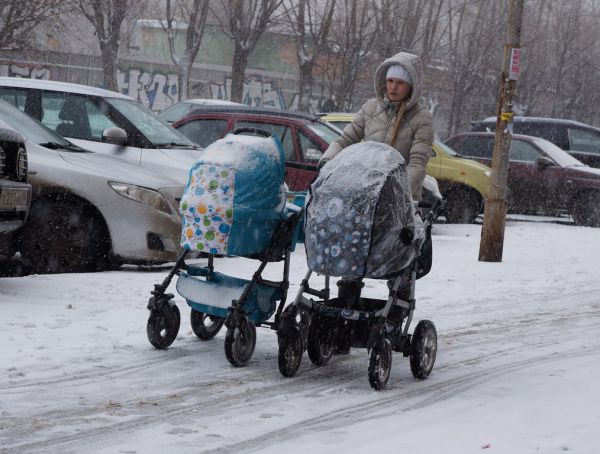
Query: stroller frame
<point x="330" y="324"/>
<point x="242" y="316"/>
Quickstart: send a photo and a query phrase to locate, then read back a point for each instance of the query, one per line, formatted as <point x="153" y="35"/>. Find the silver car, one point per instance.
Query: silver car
<point x="105" y="122"/>
<point x="90" y="210"/>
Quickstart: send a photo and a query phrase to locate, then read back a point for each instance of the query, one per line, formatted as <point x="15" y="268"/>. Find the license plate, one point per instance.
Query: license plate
<point x="13" y="198"/>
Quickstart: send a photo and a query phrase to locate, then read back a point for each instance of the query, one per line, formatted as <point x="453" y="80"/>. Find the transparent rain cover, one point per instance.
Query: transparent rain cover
<point x="358" y="206"/>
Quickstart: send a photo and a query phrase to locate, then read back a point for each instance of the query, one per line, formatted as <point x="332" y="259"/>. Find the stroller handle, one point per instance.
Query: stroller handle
<point x="433" y="207"/>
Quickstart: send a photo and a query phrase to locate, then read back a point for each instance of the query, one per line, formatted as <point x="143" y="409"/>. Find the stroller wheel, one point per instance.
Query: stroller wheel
<point x="380" y="364"/>
<point x="240" y="342"/>
<point x="205" y="326"/>
<point x="320" y="340"/>
<point x="290" y="350"/>
<point x="163" y="325"/>
<point x="423" y="349"/>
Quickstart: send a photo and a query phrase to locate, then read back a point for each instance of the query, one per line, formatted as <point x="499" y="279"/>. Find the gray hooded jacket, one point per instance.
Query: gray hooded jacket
<point x="376" y="118"/>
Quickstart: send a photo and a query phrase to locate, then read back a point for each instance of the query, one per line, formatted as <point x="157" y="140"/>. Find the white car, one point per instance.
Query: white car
<point x="90" y="211"/>
<point x="105" y="122"/>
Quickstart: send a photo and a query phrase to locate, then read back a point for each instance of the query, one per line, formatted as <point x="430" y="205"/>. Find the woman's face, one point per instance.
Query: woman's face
<point x="397" y="89"/>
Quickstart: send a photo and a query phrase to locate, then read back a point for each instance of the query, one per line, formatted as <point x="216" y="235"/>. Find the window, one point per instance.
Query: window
<point x="476" y="147"/>
<point x="283" y="132"/>
<point x="203" y="132"/>
<point x="324" y="131"/>
<point x="584" y="140"/>
<point x="176" y="112"/>
<point x="155" y="129"/>
<point x="552" y="132"/>
<point x="74" y="116"/>
<point x="340" y="124"/>
<point x="14" y="96"/>
<point x="311" y="151"/>
<point x="523" y="151"/>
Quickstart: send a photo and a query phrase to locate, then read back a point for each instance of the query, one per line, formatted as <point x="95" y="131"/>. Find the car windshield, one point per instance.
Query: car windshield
<point x="32" y="129"/>
<point x="156" y="130"/>
<point x="563" y="158"/>
<point x="324" y="131"/>
<point x="445" y="147"/>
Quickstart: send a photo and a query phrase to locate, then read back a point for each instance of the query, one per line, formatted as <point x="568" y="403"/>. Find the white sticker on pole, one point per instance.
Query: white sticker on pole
<point x="515" y="64"/>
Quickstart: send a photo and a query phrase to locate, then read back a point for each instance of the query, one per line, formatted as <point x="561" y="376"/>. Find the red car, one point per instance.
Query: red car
<point x="304" y="137"/>
<point x="542" y="178"/>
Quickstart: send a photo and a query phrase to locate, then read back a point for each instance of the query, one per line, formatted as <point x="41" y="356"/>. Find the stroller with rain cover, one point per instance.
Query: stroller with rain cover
<point x="361" y="223"/>
<point x="234" y="205"/>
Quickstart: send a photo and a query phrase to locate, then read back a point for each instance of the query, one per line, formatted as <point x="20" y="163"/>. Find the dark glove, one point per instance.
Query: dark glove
<point x="321" y="163"/>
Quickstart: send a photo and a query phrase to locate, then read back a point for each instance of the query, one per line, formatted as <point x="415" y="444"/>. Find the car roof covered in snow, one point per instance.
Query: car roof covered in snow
<point x="51" y="85"/>
<point x="539" y="120"/>
<point x="204" y="109"/>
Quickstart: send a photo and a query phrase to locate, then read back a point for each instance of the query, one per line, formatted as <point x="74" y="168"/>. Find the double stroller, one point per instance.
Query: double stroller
<point x="361" y="222"/>
<point x="234" y="205"/>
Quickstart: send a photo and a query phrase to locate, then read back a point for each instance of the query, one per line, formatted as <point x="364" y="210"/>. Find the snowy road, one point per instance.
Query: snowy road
<point x="516" y="372"/>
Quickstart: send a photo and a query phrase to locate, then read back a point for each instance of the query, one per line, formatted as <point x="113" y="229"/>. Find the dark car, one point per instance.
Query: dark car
<point x="304" y="137"/>
<point x="542" y="178"/>
<point x="578" y="139"/>
<point x="15" y="192"/>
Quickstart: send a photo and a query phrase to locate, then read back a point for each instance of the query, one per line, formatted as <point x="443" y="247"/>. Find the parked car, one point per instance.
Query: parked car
<point x="90" y="210"/>
<point x="464" y="183"/>
<point x="15" y="192"/>
<point x="182" y="108"/>
<point x="304" y="137"/>
<point x="578" y="139"/>
<point x="542" y="178"/>
<point x="105" y="122"/>
<point x="339" y="119"/>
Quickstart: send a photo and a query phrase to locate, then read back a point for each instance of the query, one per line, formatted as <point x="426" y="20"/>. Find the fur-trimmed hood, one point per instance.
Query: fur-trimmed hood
<point x="412" y="64"/>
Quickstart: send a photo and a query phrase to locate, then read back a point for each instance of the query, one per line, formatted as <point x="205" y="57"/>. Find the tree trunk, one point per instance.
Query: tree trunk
<point x="238" y="70"/>
<point x="109" y="66"/>
<point x="305" y="86"/>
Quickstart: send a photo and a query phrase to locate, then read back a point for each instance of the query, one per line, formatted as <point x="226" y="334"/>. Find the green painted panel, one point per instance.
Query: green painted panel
<point x="274" y="52"/>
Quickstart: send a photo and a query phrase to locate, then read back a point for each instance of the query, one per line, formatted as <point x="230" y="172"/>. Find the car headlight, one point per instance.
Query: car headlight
<point x="143" y="195"/>
<point x="2" y="161"/>
<point x="488" y="173"/>
<point x="22" y="164"/>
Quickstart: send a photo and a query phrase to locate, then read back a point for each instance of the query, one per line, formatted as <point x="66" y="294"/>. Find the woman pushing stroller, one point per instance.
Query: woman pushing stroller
<point x="394" y="117"/>
<point x="361" y="223"/>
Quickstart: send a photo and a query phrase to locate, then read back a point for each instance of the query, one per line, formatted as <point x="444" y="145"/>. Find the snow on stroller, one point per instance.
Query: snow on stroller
<point x="234" y="205"/>
<point x="361" y="223"/>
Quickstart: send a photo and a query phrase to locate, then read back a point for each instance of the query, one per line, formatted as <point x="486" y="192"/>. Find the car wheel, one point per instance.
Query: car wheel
<point x="586" y="209"/>
<point x="59" y="238"/>
<point x="461" y="206"/>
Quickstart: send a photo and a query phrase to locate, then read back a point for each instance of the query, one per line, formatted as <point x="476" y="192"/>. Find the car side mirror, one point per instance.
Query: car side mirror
<point x="116" y="136"/>
<point x="313" y="154"/>
<point x="544" y="162"/>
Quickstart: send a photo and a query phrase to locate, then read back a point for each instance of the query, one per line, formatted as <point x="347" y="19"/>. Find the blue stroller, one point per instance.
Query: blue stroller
<point x="234" y="205"/>
<point x="361" y="223"/>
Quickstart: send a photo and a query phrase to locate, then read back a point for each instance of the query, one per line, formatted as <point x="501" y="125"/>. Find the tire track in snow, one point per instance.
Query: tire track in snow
<point x="319" y="381"/>
<point x="390" y="405"/>
<point x="236" y="384"/>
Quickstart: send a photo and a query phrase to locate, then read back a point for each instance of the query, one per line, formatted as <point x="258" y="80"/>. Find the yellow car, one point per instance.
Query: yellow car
<point x="464" y="183"/>
<point x="338" y="119"/>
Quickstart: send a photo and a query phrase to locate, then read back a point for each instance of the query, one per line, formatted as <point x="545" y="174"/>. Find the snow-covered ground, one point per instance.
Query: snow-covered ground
<point x="517" y="367"/>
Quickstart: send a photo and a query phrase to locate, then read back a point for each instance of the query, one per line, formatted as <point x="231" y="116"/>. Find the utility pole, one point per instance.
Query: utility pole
<point x="494" y="216"/>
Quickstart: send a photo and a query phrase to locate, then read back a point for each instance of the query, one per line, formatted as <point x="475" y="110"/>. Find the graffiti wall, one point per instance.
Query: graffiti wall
<point x="31" y="71"/>
<point x="257" y="92"/>
<point x="158" y="91"/>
